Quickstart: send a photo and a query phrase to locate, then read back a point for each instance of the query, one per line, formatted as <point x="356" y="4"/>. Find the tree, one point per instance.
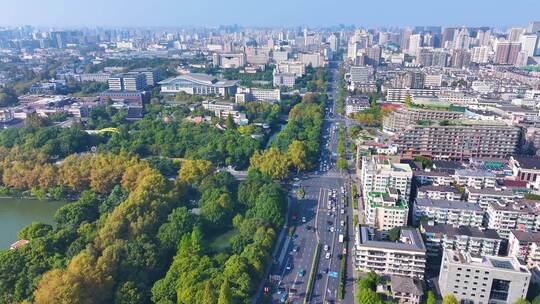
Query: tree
<point x="407" y="100"/>
<point x="394" y="233"/>
<point x="81" y="282"/>
<point x="522" y="301"/>
<point x="368" y="296"/>
<point x="225" y="293"/>
<point x="272" y="162"/>
<point x="297" y="152"/>
<point x="342" y="163"/>
<point x="8" y="97"/>
<point x="450" y="299"/>
<point x="34" y="230"/>
<point x="194" y="170"/>
<point x="431" y="298"/>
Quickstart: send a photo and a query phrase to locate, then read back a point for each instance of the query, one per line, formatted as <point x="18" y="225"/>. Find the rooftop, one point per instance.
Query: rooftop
<point x="450" y="230"/>
<point x="410" y="240"/>
<point x="489" y="262"/>
<point x="529" y="237"/>
<point x="446" y="204"/>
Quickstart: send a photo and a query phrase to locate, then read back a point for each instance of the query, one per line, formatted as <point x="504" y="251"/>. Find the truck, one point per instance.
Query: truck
<point x="340" y="238"/>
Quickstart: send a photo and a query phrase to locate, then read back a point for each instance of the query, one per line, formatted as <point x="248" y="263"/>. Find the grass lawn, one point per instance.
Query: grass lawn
<point x="222" y="242"/>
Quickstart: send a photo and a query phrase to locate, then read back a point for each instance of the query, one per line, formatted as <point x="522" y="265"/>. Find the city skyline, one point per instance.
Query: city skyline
<point x="280" y="13"/>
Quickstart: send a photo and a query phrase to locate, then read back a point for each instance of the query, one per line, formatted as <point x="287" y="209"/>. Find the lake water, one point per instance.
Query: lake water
<point x="17" y="213"/>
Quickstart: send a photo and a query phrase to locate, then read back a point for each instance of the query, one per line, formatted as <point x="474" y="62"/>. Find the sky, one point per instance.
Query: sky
<point x="274" y="13"/>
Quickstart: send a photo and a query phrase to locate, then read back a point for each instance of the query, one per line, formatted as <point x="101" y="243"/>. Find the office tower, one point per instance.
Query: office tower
<point x="415" y="42"/>
<point x="483" y="279"/>
<point x="415" y="80"/>
<point x="440" y="59"/>
<point x="425" y="57"/>
<point x="507" y="52"/>
<point x="361" y="74"/>
<point x="480" y="54"/>
<point x="514" y="34"/>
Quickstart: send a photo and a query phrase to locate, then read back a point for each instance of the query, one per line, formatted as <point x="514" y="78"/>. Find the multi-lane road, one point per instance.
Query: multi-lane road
<point x="320" y="218"/>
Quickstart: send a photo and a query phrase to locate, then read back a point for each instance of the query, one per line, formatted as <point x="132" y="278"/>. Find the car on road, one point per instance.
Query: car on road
<point x="328" y="255"/>
<point x="296" y="249"/>
<point x="302" y="272"/>
<point x="303" y="219"/>
<point x="289" y="266"/>
<point x="342" y="223"/>
<point x="326" y="248"/>
<point x="342" y="211"/>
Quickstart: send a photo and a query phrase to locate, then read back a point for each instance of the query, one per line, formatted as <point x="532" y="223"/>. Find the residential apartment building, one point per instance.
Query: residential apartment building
<point x="520" y="215"/>
<point x="405" y="257"/>
<point x="399" y="94"/>
<point x="314" y="59"/>
<point x="361" y="74"/>
<point x="406" y="290"/>
<point x="484" y="197"/>
<point x="448" y="193"/>
<point x="473" y="240"/>
<point x="477" y="179"/>
<point x="385" y="210"/>
<point x="403" y="117"/>
<point x="524" y="246"/>
<point x="379" y="173"/>
<point x="435" y="178"/>
<point x="485" y="279"/>
<point x="460" y="140"/>
<point x="456" y="213"/>
<point x="356" y="104"/>
<point x="151" y="75"/>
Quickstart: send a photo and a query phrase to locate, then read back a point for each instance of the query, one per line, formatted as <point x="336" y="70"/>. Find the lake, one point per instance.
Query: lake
<point x="17" y="213"/>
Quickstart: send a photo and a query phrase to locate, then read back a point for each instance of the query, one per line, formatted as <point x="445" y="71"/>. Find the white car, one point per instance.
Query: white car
<point x="342" y="211"/>
<point x="327" y="256"/>
<point x="326" y="248"/>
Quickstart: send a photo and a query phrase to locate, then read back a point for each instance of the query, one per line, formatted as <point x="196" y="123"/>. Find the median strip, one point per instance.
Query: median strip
<point x="312" y="272"/>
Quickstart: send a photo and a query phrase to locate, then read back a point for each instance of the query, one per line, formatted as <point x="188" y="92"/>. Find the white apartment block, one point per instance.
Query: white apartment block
<point x="478" y="179"/>
<point x="521" y="215"/>
<point x="524" y="246"/>
<point x="255" y="94"/>
<point x="284" y="79"/>
<point x="405" y="257"/>
<point x="314" y="59"/>
<point x="455" y="213"/>
<point x="385" y="210"/>
<point x="379" y="173"/>
<point x="485" y="279"/>
<point x="484" y="197"/>
<point x="473" y="240"/>
<point x="438" y="193"/>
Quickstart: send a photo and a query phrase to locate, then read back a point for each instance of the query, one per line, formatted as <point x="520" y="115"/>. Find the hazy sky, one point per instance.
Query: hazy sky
<point x="497" y="13"/>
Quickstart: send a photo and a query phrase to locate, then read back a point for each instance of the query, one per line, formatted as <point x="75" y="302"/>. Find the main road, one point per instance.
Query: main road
<point x="317" y="222"/>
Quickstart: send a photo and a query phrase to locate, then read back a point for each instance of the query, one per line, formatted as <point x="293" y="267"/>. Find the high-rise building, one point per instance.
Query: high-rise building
<point x="405" y="35"/>
<point x="461" y="58"/>
<point x="530" y="43"/>
<point x="361" y="74"/>
<point x="373" y="55"/>
<point x="480" y="54"/>
<point x="514" y="34"/>
<point x="447" y="36"/>
<point x="415" y="80"/>
<point x="507" y="52"/>
<point x="415" y="42"/>
<point x="333" y="40"/>
<point x="533" y="27"/>
<point x="385" y="210"/>
<point x="462" y="39"/>
<point x="484" y="279"/>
